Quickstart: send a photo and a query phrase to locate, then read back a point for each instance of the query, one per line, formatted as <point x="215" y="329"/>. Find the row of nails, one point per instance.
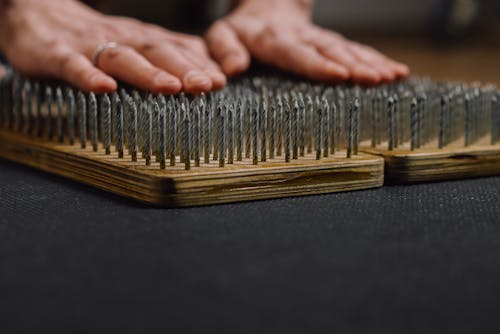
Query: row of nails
<point x="256" y="118"/>
<point x="421" y="111"/>
<point x="254" y="123"/>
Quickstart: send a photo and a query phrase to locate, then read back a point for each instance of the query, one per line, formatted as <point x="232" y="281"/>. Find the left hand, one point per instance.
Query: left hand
<point x="280" y="33"/>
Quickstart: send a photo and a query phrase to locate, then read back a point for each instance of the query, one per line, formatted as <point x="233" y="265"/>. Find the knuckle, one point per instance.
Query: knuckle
<point x="56" y="44"/>
<point x="272" y="30"/>
<point x="112" y="53"/>
<point x="270" y="37"/>
<point x="147" y="47"/>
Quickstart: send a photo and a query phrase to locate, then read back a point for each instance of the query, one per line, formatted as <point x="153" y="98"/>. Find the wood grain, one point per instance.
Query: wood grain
<point x="204" y="185"/>
<point x="432" y="164"/>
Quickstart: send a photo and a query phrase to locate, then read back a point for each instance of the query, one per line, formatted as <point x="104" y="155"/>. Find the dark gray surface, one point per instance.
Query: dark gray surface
<point x="401" y="259"/>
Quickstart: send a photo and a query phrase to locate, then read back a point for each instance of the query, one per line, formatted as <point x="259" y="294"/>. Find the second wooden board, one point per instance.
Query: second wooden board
<point x="433" y="164"/>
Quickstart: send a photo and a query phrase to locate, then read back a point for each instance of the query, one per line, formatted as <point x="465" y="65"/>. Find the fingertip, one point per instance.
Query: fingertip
<point x="366" y="75"/>
<point x="337" y="71"/>
<point x="403" y="70"/>
<point x="235" y="64"/>
<point x="101" y="83"/>
<point x="196" y="82"/>
<point x="167" y="84"/>
<point x="387" y="73"/>
<point x="219" y="80"/>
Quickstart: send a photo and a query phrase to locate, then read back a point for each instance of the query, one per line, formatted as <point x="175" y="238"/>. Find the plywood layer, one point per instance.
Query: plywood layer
<point x="208" y="184"/>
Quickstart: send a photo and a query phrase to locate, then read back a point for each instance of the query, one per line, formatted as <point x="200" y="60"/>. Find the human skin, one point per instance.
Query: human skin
<point x="280" y="33"/>
<point x="58" y="38"/>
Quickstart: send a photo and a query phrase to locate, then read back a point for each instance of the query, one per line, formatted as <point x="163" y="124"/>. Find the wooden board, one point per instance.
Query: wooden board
<point x="208" y="184"/>
<point x="433" y="164"/>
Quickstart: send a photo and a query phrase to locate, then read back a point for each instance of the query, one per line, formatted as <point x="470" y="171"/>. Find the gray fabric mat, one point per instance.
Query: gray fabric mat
<point x="401" y="259"/>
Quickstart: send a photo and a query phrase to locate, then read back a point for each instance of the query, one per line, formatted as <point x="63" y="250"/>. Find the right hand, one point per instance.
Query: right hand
<point x="58" y="38"/>
<point x="281" y="33"/>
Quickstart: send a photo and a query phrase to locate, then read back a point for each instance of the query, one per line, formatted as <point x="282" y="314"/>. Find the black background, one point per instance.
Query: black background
<point x="401" y="259"/>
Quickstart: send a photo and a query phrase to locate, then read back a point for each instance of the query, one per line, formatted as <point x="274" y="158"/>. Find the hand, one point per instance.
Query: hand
<point x="280" y="32"/>
<point x="58" y="38"/>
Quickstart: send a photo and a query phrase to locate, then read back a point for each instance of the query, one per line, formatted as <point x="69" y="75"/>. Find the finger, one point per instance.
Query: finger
<point x="128" y="65"/>
<point x="401" y="70"/>
<point x="227" y="49"/>
<point x="188" y="41"/>
<point x="208" y="66"/>
<point x="78" y="70"/>
<point x="374" y="59"/>
<point x="298" y="57"/>
<point x="172" y="60"/>
<point x="360" y="72"/>
<point x="333" y="46"/>
<point x="194" y="43"/>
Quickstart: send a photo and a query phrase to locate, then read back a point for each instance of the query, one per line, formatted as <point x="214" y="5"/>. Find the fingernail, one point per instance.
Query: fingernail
<point x="197" y="78"/>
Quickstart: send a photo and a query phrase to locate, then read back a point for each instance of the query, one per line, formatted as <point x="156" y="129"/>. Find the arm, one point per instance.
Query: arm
<point x="58" y="38"/>
<point x="280" y="32"/>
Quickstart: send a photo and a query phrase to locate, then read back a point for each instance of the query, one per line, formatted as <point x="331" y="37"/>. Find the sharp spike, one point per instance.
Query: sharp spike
<point x="106" y="123"/>
<point x="295" y="130"/>
<point x="230" y="134"/>
<point x="132" y="128"/>
<point x="28" y="101"/>
<point x="239" y="130"/>
<point x="162" y="133"/>
<point x="350" y="129"/>
<point x="263" y="126"/>
<point x="279" y="125"/>
<point x="326" y="127"/>
<point x="197" y="135"/>
<point x="333" y="128"/>
<point x="221" y="131"/>
<point x="319" y="128"/>
<point x="272" y="128"/>
<point x="288" y="129"/>
<point x="93" y="121"/>
<point x="71" y="114"/>
<point x="255" y="132"/>
<point x="390" y="126"/>
<point x="82" y="119"/>
<point x="172" y="133"/>
<point x="146" y="130"/>
<point x="59" y="116"/>
<point x="119" y="126"/>
<point x="48" y="104"/>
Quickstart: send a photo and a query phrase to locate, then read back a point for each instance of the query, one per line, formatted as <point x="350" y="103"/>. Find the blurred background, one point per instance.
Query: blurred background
<point x="446" y="39"/>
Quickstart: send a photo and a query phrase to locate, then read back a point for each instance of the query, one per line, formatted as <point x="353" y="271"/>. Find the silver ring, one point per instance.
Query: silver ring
<point x="100" y="49"/>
